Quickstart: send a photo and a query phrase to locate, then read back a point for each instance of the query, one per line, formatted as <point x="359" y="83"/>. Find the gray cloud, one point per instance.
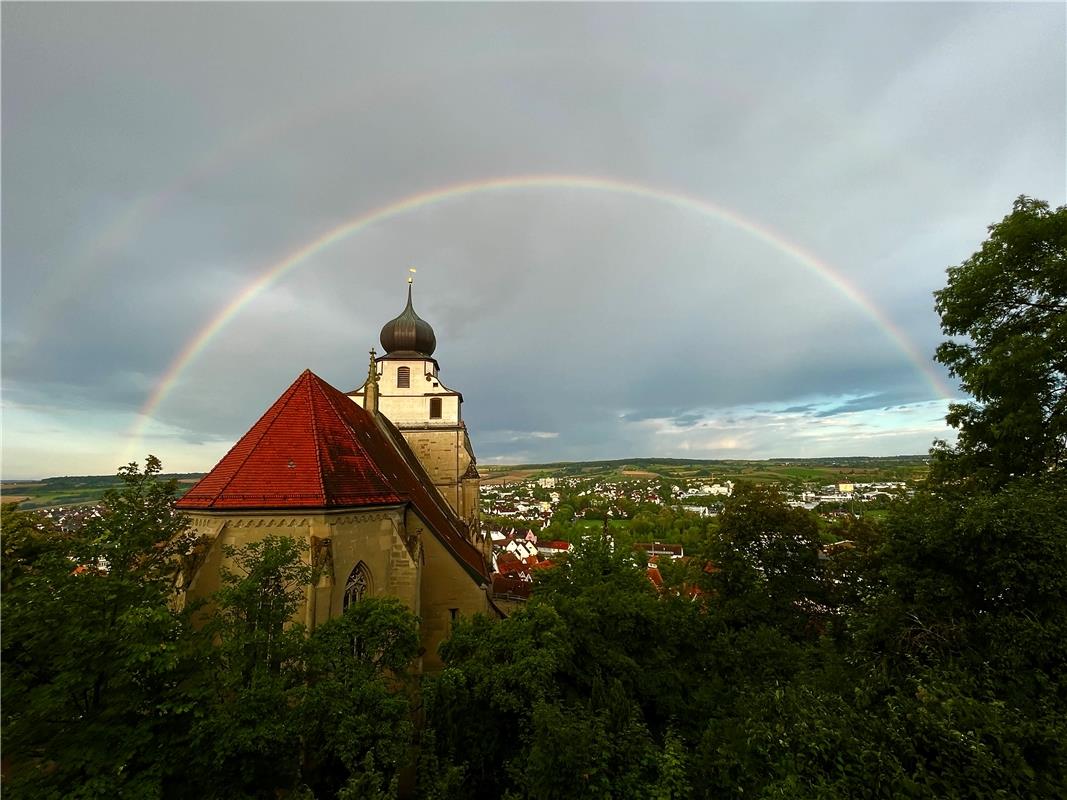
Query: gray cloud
<point x="159" y="158"/>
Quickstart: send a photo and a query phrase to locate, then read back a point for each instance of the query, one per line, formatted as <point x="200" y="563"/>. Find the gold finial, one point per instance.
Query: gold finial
<point x="411" y="276"/>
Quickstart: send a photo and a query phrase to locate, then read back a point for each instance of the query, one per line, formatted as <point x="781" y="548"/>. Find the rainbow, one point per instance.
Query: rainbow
<point x="277" y="271"/>
<point x="64" y="284"/>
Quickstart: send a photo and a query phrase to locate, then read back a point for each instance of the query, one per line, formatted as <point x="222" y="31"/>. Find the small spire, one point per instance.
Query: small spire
<point x="370" y="392"/>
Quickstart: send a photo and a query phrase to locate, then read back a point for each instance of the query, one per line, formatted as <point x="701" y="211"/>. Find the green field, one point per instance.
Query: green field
<point x="84" y="489"/>
<point x="782" y="471"/>
<point x="69" y="490"/>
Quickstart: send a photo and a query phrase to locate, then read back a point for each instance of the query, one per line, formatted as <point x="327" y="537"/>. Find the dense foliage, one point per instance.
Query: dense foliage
<point x="925" y="657"/>
<point x="1010" y="302"/>
<point x="110" y="689"/>
<point x="927" y="661"/>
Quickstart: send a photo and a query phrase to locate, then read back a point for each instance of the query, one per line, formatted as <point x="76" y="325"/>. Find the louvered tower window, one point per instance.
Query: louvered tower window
<point x="435" y="408"/>
<point x="358" y="585"/>
<point x="403" y="377"/>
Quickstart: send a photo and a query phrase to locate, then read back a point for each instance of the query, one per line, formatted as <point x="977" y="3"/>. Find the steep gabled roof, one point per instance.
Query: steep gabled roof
<point x="316" y="449"/>
<point x="304" y="452"/>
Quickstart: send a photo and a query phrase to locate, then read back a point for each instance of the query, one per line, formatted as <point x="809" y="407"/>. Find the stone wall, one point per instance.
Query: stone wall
<point x="403" y="559"/>
<point x="449" y="591"/>
<point x="335" y="543"/>
<point x="446" y="455"/>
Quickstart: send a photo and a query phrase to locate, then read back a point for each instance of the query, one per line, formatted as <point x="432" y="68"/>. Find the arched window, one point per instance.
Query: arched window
<point x="403" y="377"/>
<point x="358" y="585"/>
<point x="435" y="408"/>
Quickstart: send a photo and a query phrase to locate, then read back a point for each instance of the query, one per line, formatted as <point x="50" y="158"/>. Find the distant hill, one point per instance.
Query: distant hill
<point x="71" y="490"/>
<point x="775" y="470"/>
<point x="858" y="461"/>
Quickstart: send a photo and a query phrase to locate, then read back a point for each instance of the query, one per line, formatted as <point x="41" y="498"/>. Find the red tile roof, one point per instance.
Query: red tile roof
<point x="317" y="449"/>
<point x="512" y="569"/>
<point x="508" y="585"/>
<point x="654" y="575"/>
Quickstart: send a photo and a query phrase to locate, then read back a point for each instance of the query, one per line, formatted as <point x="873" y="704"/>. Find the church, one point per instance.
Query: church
<point x="381" y="484"/>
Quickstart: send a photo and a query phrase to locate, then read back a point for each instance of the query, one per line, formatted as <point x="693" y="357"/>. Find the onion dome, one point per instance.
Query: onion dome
<point x="408" y="333"/>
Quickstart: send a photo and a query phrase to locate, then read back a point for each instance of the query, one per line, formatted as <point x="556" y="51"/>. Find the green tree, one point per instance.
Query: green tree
<point x="109" y="690"/>
<point x="580" y="693"/>
<point x="853" y="561"/>
<point x="246" y="738"/>
<point x="281" y="711"/>
<point x="764" y="564"/>
<point x="93" y="653"/>
<point x="975" y="576"/>
<point x="479" y="708"/>
<point x="356" y="714"/>
<point x="1009" y="300"/>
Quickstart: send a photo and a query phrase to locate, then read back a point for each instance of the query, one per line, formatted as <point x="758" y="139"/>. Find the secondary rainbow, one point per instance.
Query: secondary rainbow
<point x="277" y="271"/>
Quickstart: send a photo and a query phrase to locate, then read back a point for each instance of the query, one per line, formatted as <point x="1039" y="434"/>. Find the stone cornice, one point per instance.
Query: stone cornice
<point x="279" y="519"/>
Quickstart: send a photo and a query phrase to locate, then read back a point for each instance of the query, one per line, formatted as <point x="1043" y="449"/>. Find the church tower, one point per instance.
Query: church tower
<point x="410" y="394"/>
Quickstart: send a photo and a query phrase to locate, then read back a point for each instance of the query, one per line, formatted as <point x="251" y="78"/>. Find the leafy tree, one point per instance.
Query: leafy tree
<point x="93" y="653"/>
<point x="853" y="561"/>
<point x="600" y="749"/>
<point x="29" y="540"/>
<point x="479" y="708"/>
<point x="1009" y="300"/>
<point x="279" y="710"/>
<point x="577" y="694"/>
<point x="356" y="714"/>
<point x="764" y="565"/>
<point x="931" y="735"/>
<point x="246" y="735"/>
<point x="978" y="576"/>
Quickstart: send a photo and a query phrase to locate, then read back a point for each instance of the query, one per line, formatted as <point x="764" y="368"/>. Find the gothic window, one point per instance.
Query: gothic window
<point x="435" y="408"/>
<point x="358" y="585"/>
<point x="403" y="377"/>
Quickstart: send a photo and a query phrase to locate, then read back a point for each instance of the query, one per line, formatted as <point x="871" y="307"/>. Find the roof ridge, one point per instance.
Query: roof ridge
<point x="315" y="433"/>
<point x="398" y="441"/>
<point x="287" y="396"/>
<point x="330" y="399"/>
<point x="433" y="496"/>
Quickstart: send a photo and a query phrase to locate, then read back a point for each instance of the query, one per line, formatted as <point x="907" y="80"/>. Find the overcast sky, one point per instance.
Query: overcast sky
<point x="834" y="160"/>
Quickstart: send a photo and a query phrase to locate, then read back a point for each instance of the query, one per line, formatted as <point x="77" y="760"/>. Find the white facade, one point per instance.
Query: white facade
<point x="414" y="404"/>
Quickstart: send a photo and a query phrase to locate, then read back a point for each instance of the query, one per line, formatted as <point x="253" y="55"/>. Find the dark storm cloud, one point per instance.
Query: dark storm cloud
<point x="159" y="157"/>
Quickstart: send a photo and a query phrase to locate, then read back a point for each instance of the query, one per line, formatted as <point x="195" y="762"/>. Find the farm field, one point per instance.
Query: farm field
<point x="86" y="489"/>
<point x="784" y="471"/>
<point x="69" y="490"/>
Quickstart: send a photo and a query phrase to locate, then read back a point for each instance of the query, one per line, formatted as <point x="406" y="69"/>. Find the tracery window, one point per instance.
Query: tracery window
<point x="435" y="408"/>
<point x="403" y="377"/>
<point x="358" y="585"/>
